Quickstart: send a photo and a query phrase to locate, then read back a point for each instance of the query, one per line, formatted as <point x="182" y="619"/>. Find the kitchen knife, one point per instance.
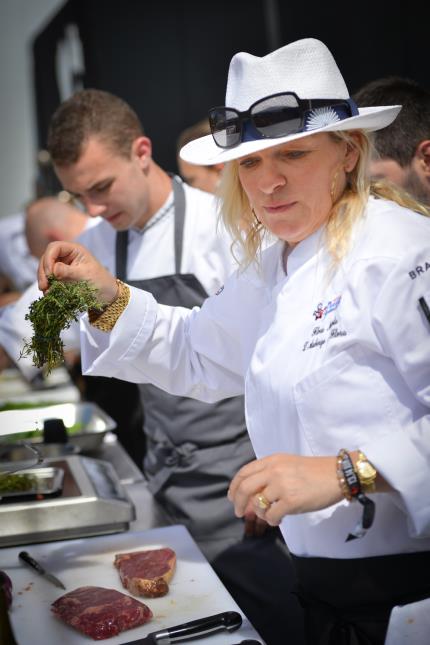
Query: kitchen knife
<point x="26" y="557"/>
<point x="227" y="620"/>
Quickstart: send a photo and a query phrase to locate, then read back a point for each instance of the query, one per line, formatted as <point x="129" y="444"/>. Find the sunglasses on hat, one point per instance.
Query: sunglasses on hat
<point x="277" y="115"/>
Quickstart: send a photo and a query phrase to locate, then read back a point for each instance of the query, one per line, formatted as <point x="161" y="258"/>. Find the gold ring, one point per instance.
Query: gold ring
<point x="262" y="502"/>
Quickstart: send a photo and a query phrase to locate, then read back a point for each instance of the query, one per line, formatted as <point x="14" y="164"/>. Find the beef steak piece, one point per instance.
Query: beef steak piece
<point x="146" y="573"/>
<point x="99" y="612"/>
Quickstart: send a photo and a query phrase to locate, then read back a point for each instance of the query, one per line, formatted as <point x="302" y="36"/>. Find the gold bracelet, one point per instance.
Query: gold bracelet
<point x="341" y="479"/>
<point x="106" y="319"/>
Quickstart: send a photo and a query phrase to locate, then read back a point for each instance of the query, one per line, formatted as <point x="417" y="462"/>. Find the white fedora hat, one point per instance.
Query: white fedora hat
<point x="306" y="68"/>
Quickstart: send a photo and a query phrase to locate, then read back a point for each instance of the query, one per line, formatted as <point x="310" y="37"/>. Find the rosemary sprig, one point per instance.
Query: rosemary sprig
<point x="52" y="313"/>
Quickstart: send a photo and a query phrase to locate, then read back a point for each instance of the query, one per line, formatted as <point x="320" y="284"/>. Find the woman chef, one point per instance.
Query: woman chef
<point x="327" y="332"/>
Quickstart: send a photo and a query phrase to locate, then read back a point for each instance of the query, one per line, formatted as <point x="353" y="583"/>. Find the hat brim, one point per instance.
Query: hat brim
<point x="205" y="152"/>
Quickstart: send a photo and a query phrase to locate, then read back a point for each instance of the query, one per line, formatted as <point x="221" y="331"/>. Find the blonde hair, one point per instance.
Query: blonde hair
<point x="346" y="209"/>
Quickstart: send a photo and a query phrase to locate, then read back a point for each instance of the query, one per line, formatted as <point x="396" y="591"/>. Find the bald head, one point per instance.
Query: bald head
<point x="49" y="220"/>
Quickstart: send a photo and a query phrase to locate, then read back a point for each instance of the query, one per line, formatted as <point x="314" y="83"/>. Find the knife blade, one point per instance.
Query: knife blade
<point x="227" y="620"/>
<point x="26" y="557"/>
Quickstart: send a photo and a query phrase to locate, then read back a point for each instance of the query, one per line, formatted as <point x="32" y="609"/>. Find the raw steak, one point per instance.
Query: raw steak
<point x="99" y="612"/>
<point x="146" y="573"/>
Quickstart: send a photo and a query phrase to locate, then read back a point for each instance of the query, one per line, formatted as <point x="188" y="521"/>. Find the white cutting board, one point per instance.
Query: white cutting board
<point x="195" y="590"/>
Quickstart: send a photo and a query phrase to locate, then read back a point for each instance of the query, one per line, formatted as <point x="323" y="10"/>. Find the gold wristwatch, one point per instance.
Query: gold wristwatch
<point x="366" y="473"/>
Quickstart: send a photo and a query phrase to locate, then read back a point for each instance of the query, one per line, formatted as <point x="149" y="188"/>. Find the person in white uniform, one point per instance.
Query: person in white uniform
<point x="23" y="237"/>
<point x="16" y="260"/>
<point x="201" y="176"/>
<point x="45" y="219"/>
<point x="53" y="218"/>
<point x="161" y="235"/>
<point x="326" y="333"/>
<point x="402" y="151"/>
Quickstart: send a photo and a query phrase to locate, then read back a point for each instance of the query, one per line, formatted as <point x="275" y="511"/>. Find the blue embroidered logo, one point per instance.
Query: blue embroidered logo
<point x="220" y="290"/>
<point x="322" y="311"/>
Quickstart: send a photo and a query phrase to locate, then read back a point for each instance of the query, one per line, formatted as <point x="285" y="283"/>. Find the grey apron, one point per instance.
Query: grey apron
<point x="193" y="449"/>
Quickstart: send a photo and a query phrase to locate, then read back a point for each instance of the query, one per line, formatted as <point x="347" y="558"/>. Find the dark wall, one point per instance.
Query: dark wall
<point x="369" y="39"/>
<point x="169" y="59"/>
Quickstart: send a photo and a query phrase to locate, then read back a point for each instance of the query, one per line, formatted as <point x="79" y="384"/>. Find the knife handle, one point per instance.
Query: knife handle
<point x="227" y="620"/>
<point x="26" y="557"/>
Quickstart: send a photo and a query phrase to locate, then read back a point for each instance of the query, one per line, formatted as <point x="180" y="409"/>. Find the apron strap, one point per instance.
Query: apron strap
<point x="179" y="201"/>
<point x="121" y="244"/>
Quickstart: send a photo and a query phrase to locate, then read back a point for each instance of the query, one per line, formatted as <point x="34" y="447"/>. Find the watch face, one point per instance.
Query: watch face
<point x="366" y="470"/>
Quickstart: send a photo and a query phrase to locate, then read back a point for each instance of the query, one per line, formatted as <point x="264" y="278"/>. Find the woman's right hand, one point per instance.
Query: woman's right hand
<point x="71" y="262"/>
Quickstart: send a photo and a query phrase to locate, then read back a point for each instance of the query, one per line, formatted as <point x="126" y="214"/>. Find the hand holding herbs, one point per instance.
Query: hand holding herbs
<point x="52" y="313"/>
<point x="72" y="262"/>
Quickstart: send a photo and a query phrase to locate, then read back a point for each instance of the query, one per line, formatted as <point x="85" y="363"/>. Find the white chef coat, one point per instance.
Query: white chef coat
<point x="206" y="254"/>
<point x="16" y="261"/>
<point x="326" y="361"/>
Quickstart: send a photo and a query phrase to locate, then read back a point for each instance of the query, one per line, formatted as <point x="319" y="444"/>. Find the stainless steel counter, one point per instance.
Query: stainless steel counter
<point x="151" y="518"/>
<point x="149" y="513"/>
<point x="112" y="451"/>
<point x="14" y="388"/>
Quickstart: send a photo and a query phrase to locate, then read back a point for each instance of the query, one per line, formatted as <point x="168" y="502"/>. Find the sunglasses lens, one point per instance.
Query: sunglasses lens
<point x="225" y="127"/>
<point x="277" y="116"/>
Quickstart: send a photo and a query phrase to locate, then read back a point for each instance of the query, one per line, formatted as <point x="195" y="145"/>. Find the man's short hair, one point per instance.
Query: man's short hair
<point x="399" y="140"/>
<point x="195" y="131"/>
<point x="91" y="113"/>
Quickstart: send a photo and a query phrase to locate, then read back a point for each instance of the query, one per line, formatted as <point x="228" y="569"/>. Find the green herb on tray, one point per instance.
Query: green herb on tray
<point x="76" y="428"/>
<point x="25" y="405"/>
<point x="17" y="483"/>
<point x="53" y="312"/>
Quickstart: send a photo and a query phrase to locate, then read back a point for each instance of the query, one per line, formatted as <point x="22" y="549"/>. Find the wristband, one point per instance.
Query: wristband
<point x="355" y="492"/>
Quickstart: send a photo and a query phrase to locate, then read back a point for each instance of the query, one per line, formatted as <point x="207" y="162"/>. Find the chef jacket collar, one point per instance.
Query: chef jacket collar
<point x="159" y="215"/>
<point x="304" y="251"/>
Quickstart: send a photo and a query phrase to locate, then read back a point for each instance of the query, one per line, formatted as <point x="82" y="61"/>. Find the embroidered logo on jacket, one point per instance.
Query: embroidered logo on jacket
<point x="419" y="270"/>
<point x="326" y="331"/>
<point x="322" y="311"/>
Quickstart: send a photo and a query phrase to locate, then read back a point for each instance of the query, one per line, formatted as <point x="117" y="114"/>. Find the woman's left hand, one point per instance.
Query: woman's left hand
<point x="290" y="483"/>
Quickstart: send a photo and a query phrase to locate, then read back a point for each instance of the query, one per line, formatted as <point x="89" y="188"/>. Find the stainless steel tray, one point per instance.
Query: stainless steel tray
<point x="86" y="423"/>
<point x="32" y="481"/>
<point x="12" y="452"/>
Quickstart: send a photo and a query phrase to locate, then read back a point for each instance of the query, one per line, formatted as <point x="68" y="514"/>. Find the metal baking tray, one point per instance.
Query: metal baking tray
<point x="32" y="481"/>
<point x="86" y="423"/>
<point x="17" y="452"/>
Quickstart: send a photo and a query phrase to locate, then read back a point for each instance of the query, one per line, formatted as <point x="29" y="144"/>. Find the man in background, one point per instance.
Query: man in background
<point x="48" y="219"/>
<point x="402" y="149"/>
<point x="23" y="239"/>
<point x="203" y="177"/>
<point x="161" y="235"/>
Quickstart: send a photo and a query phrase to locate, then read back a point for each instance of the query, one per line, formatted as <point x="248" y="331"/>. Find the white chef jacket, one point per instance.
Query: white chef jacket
<point x="326" y="361"/>
<point x="206" y="253"/>
<point x="16" y="260"/>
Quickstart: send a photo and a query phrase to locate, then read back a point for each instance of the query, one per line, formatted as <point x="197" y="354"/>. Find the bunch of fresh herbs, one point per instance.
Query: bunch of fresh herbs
<point x="53" y="312"/>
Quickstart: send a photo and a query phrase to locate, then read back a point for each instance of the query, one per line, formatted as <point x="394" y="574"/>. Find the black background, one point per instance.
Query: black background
<point x="169" y="59"/>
